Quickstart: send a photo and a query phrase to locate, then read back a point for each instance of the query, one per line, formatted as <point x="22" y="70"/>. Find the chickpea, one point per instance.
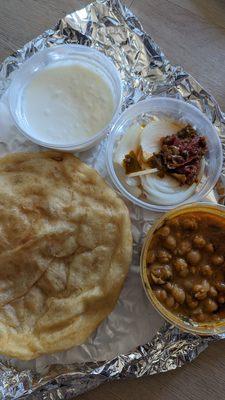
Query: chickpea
<point x="164" y="231"/>
<point x="178" y="294"/>
<point x="156" y="278"/>
<point x="217" y="259"/>
<point x="199" y="241"/>
<point x="221" y="299"/>
<point x="167" y="270"/>
<point x="160" y="294"/>
<point x="184" y="273"/>
<point x="160" y="274"/>
<point x="209" y="248"/>
<point x="164" y="256"/>
<point x="181" y="267"/>
<point x="155" y="268"/>
<point x="170" y="301"/>
<point x="189" y="224"/>
<point x="187" y="284"/>
<point x="210" y="305"/>
<point x="206" y="270"/>
<point x="180" y="264"/>
<point x="150" y="257"/>
<point x="220" y="286"/>
<point x="213" y="292"/>
<point x="184" y="247"/>
<point x="168" y="286"/>
<point x="170" y="242"/>
<point x="194" y="257"/>
<point x="201" y="289"/>
<point x="192" y="303"/>
<point x="156" y="274"/>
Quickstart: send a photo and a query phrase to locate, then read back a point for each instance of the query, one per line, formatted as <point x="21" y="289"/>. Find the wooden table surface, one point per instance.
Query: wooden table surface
<point x="192" y="34"/>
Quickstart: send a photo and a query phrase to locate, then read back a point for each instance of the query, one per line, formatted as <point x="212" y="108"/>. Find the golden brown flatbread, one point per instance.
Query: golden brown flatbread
<point x="65" y="249"/>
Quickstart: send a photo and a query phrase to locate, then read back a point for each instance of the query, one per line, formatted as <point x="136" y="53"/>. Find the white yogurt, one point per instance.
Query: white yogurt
<point x="67" y="103"/>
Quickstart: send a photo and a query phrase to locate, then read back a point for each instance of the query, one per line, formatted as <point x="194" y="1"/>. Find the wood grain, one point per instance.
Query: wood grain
<point x="201" y="380"/>
<point x="192" y="34"/>
<point x="22" y="20"/>
<point x="210" y="10"/>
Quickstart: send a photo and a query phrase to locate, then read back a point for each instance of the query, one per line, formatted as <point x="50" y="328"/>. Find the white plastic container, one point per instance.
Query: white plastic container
<point x="73" y="54"/>
<point x="181" y="111"/>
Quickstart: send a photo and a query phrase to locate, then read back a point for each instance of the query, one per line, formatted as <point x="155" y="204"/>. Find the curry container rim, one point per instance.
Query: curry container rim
<point x="202" y="329"/>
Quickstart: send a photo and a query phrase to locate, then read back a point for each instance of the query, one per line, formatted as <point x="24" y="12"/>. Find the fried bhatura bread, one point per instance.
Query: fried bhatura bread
<point x="65" y="250"/>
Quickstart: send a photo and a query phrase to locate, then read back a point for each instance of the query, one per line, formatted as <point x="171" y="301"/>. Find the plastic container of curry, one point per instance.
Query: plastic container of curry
<point x="203" y="298"/>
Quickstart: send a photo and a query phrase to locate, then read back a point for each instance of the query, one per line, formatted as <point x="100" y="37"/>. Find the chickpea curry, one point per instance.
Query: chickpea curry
<point x="186" y="266"/>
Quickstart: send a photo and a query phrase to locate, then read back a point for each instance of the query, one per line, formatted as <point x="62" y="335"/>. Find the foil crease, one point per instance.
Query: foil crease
<point x="112" y="28"/>
<point x="169" y="349"/>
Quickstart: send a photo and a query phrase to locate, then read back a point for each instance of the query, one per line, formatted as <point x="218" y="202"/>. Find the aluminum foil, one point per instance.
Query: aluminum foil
<point x="112" y="28"/>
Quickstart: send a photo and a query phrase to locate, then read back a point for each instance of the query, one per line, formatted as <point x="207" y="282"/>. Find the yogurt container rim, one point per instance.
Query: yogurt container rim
<point x="79" y="54"/>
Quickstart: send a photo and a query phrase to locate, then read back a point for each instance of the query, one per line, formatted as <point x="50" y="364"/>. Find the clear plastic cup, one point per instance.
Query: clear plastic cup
<point x="72" y="54"/>
<point x="178" y="110"/>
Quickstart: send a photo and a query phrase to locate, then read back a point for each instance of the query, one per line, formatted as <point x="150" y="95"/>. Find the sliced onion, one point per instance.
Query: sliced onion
<point x="166" y="191"/>
<point x="154" y="131"/>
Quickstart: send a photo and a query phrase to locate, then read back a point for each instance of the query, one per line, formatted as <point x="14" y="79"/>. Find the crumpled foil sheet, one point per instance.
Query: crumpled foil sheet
<point x="112" y="28"/>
